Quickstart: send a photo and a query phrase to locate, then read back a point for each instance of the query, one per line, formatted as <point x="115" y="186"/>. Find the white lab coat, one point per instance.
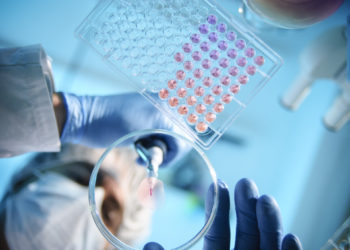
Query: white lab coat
<point x="27" y="119"/>
<point x="52" y="213"/>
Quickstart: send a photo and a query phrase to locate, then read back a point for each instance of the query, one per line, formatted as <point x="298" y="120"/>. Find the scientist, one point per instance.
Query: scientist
<point x="34" y="118"/>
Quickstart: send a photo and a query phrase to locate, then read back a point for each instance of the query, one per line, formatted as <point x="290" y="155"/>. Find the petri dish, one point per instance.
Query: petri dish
<point x="166" y="217"/>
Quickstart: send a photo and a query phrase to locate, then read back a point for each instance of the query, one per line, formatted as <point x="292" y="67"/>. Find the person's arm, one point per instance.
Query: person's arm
<point x="27" y="118"/>
<point x="98" y="121"/>
<point x="60" y="111"/>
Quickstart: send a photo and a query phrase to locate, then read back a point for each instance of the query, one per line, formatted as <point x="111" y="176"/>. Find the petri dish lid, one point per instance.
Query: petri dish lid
<point x="179" y="213"/>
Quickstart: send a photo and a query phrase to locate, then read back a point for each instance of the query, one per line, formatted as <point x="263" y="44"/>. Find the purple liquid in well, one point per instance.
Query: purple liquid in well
<point x="212" y="19"/>
<point x="213" y="37"/>
<point x="195" y="38"/>
<point x="203" y="28"/>
<point x="221" y="27"/>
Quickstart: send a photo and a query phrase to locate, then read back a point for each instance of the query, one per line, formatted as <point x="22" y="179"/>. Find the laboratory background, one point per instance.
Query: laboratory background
<point x="293" y="139"/>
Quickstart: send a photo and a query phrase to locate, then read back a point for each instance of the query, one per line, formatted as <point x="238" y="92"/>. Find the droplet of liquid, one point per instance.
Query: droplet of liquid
<point x="178" y="57"/>
<point x="163" y="94"/>
<point x="210" y="117"/>
<point x="189" y="83"/>
<point x="151" y="192"/>
<point x="191" y="100"/>
<point x="182" y="110"/>
<point x="201" y="127"/>
<point x="192" y="118"/>
<point x="259" y="60"/>
<point x="188" y="65"/>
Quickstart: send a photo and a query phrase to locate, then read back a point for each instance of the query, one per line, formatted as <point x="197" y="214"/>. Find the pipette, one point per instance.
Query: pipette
<point x="152" y="153"/>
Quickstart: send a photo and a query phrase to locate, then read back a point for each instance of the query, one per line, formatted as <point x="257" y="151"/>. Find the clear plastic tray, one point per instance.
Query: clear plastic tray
<point x="189" y="58"/>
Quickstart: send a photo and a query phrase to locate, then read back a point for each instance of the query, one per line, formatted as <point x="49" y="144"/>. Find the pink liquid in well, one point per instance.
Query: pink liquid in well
<point x="172" y="84"/>
<point x="182" y="110"/>
<point x="216" y="72"/>
<point x="217" y="90"/>
<point x="191" y="100"/>
<point x="163" y="94"/>
<point x="199" y="91"/>
<point x="218" y="107"/>
<point x="187" y="47"/>
<point x="225" y="80"/>
<point x="249" y="52"/>
<point x="200" y="108"/>
<point x="210" y="117"/>
<point x="226" y="98"/>
<point x="234" y="88"/>
<point x="241" y="61"/>
<point x="151" y="192"/>
<point x="198" y="73"/>
<point x="224" y="62"/>
<point x="189" y="83"/>
<point x="197" y="56"/>
<point x="188" y="65"/>
<point x="243" y="79"/>
<point x="201" y="127"/>
<point x="259" y="60"/>
<point x="181" y="92"/>
<point x="207" y="81"/>
<point x="173" y="101"/>
<point x="251" y="70"/>
<point x="180" y="74"/>
<point x="233" y="71"/>
<point x="208" y="99"/>
<point x="178" y="57"/>
<point x="206" y="63"/>
<point x="192" y="118"/>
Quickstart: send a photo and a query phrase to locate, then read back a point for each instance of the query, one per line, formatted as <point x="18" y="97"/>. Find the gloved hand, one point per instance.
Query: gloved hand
<point x="259" y="224"/>
<point x="97" y="121"/>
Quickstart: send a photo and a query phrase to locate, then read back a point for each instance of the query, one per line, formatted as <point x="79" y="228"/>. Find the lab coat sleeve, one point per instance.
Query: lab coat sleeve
<point x="27" y="118"/>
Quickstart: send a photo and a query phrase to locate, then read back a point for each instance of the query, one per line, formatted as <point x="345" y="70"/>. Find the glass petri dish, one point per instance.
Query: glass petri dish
<point x="164" y="219"/>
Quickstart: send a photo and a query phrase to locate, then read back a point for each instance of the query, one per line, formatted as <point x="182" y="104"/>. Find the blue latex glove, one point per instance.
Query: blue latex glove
<point x="97" y="121"/>
<point x="259" y="224"/>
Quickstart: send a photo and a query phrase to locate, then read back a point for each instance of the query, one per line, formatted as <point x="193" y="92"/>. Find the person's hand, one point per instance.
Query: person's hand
<point x="259" y="224"/>
<point x="97" y="121"/>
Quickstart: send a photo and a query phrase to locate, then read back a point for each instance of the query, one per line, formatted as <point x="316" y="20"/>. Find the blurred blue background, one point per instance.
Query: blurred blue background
<point x="290" y="155"/>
